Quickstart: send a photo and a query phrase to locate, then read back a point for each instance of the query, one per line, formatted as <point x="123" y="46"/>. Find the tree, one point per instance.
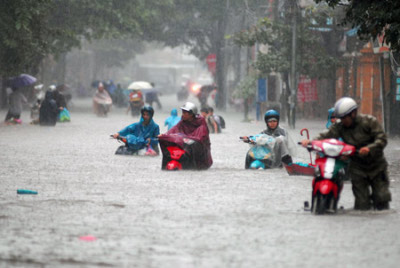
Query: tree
<point x="32" y="30"/>
<point x="21" y="42"/>
<point x="372" y="18"/>
<point x="202" y="26"/>
<point x="246" y="90"/>
<point x="311" y="58"/>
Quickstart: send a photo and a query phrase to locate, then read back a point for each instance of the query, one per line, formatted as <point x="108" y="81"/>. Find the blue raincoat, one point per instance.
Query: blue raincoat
<point x="330" y="113"/>
<point x="173" y="119"/>
<point x="137" y="134"/>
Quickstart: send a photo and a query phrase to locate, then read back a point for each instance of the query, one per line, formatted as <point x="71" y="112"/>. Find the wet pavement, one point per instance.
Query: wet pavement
<point x="141" y="216"/>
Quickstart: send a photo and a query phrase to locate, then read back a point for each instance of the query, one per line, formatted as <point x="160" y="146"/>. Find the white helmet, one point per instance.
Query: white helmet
<point x="190" y="107"/>
<point x="344" y="106"/>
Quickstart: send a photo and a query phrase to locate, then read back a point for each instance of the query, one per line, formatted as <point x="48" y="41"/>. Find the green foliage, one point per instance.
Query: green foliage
<point x="33" y="29"/>
<point x="246" y="88"/>
<point x="372" y="18"/>
<point x="21" y="41"/>
<point x="311" y="57"/>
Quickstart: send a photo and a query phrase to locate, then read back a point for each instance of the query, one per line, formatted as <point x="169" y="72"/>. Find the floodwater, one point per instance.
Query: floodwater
<point x="141" y="216"/>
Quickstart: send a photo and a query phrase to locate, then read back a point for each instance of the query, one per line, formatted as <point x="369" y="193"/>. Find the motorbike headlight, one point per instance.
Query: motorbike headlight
<point x="332" y="149"/>
<point x="317" y="148"/>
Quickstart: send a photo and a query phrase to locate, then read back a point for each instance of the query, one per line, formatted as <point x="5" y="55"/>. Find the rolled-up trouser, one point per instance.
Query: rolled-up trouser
<point x="280" y="150"/>
<point x="379" y="184"/>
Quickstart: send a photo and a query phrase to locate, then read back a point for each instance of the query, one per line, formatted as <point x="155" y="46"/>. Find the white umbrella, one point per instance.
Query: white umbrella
<point x="140" y="85"/>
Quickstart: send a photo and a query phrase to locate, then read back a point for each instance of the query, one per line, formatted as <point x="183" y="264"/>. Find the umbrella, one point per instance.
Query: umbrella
<point x="21" y="80"/>
<point x="140" y="85"/>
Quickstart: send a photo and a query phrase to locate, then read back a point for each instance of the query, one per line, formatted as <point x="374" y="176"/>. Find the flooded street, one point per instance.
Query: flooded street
<point x="142" y="216"/>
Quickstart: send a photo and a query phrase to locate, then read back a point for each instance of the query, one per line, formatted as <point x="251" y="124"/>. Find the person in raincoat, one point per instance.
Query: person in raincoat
<point x="48" y="111"/>
<point x="102" y="101"/>
<point x="63" y="113"/>
<point x="135" y="102"/>
<point x="191" y="127"/>
<point x="331" y="117"/>
<point x="143" y="134"/>
<point x="119" y="96"/>
<point x="173" y="119"/>
<point x="218" y="118"/>
<point x="16" y="101"/>
<point x="281" y="147"/>
<point x="210" y="121"/>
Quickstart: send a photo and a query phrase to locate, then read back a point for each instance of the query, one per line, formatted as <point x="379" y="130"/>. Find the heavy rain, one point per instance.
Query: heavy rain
<point x="79" y="189"/>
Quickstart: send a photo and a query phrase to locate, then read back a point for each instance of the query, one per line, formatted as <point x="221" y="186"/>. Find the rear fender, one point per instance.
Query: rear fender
<point x="175" y="152"/>
<point x="325" y="187"/>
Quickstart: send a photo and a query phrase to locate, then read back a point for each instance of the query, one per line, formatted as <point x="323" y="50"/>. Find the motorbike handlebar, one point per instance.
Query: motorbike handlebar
<point x="247" y="140"/>
<point x="119" y="138"/>
<point x="309" y="146"/>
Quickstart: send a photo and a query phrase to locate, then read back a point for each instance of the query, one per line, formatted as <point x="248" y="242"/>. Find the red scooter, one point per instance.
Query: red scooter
<point x="329" y="174"/>
<point x="176" y="152"/>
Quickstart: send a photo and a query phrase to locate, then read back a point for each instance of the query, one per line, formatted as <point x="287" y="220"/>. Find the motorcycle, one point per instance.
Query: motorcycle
<point x="329" y="174"/>
<point x="135" y="102"/>
<point x="260" y="155"/>
<point x="178" y="152"/>
<point x="125" y="150"/>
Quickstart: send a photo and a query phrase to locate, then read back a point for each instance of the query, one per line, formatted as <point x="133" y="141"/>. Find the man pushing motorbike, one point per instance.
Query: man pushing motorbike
<point x="368" y="168"/>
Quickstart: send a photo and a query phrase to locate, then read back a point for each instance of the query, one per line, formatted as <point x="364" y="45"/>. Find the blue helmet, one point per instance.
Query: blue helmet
<point x="148" y="109"/>
<point x="271" y="114"/>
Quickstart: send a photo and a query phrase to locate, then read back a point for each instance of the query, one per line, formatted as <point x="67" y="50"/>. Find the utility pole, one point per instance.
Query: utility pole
<point x="293" y="76"/>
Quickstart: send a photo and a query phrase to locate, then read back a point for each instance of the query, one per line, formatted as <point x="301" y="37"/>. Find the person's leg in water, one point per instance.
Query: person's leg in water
<point x="380" y="191"/>
<point x="281" y="152"/>
<point x="361" y="192"/>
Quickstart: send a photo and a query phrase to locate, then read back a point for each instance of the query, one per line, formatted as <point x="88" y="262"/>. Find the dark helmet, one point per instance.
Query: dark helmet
<point x="148" y="109"/>
<point x="271" y="114"/>
<point x="204" y="110"/>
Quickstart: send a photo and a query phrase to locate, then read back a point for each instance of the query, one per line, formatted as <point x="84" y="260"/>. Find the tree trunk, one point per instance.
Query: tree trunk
<point x="220" y="77"/>
<point x="3" y="94"/>
<point x="285" y="111"/>
<point x="220" y="55"/>
<point x="246" y="109"/>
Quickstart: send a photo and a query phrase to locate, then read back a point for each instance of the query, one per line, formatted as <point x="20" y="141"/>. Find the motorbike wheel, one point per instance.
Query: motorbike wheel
<point x="332" y="204"/>
<point x="319" y="204"/>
